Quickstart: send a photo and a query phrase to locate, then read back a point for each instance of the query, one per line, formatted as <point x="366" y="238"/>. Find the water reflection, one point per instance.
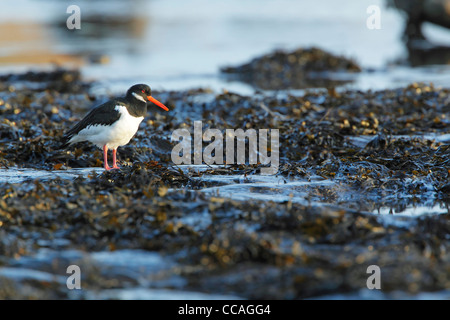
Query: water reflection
<point x="107" y="28"/>
<point x="180" y="45"/>
<point x="30" y="44"/>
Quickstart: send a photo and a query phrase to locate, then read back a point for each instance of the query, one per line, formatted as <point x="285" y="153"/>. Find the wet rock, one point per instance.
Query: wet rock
<point x="61" y="80"/>
<point x="302" y="68"/>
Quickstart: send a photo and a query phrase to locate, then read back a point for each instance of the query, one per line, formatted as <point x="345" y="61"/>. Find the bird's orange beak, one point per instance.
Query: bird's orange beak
<point x="159" y="104"/>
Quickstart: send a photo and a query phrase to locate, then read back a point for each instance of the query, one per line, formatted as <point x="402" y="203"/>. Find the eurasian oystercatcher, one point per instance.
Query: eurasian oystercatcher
<point x="113" y="123"/>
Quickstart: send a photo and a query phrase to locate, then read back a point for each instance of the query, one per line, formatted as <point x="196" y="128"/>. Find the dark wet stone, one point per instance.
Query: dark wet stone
<point x="302" y="68"/>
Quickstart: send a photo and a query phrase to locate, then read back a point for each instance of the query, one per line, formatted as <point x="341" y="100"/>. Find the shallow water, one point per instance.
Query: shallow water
<point x="18" y="175"/>
<point x="244" y="188"/>
<point x="144" y="275"/>
<point x="162" y="45"/>
<point x="415" y="211"/>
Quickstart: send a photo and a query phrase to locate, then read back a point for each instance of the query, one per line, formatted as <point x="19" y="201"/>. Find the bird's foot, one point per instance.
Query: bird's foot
<point x="116" y="167"/>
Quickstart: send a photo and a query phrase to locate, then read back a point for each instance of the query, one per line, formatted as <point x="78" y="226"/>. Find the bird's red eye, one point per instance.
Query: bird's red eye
<point x="143" y="91"/>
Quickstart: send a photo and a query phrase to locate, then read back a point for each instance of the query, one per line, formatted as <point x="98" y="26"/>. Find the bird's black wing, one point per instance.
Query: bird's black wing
<point x="105" y="114"/>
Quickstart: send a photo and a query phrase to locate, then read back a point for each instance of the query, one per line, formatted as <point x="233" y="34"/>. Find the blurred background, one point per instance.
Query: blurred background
<point x="178" y="44"/>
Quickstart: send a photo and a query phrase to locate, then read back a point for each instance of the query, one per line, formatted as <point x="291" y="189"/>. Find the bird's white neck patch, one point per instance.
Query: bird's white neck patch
<point x="138" y="97"/>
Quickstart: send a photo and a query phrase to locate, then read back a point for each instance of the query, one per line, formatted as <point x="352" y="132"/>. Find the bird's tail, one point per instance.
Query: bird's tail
<point x="65" y="142"/>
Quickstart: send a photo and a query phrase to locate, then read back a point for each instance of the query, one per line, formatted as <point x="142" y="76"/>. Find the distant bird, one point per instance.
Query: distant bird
<point x="113" y="123"/>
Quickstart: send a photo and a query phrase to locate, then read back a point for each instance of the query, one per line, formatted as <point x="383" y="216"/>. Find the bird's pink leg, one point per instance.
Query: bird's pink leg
<point x="115" y="166"/>
<point x="105" y="158"/>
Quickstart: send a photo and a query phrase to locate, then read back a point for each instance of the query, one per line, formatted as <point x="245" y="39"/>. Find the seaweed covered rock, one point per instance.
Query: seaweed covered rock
<point x="302" y="68"/>
<point x="61" y="80"/>
<point x="309" y="231"/>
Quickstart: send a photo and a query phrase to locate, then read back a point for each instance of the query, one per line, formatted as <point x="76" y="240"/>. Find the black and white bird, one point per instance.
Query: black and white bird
<point x="113" y="123"/>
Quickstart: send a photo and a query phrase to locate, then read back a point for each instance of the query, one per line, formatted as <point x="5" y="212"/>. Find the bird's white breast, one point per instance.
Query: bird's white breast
<point x="117" y="134"/>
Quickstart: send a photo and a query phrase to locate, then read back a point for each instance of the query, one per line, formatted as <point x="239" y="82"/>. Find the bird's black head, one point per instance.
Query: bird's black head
<point x="139" y="92"/>
<point x="143" y="93"/>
